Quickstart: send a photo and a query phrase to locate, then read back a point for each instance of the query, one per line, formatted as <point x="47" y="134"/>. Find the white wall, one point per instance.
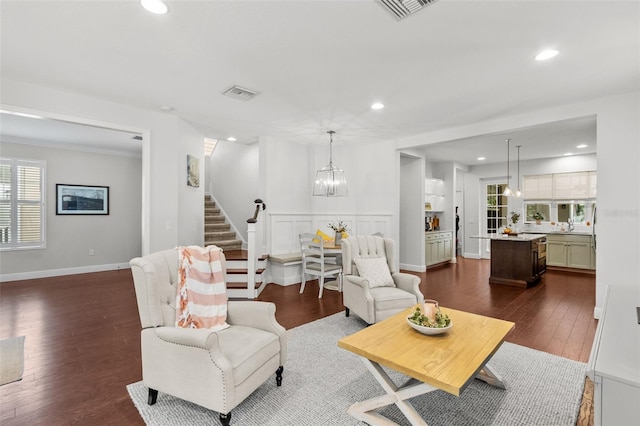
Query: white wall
<point x="411" y="213"/>
<point x="190" y="199"/>
<point x="114" y="238"/>
<point x="618" y="133"/>
<point x="234" y="181"/>
<point x="167" y="142"/>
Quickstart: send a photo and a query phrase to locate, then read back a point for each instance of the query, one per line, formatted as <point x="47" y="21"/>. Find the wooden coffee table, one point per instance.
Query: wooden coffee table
<point x="448" y="362"/>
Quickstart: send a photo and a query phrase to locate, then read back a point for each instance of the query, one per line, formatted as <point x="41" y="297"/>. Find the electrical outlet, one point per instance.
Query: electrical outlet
<point x="91" y="252"/>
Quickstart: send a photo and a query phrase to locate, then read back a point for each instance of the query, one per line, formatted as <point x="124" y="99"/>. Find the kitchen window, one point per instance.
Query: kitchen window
<point x="22" y="203"/>
<point x="533" y="210"/>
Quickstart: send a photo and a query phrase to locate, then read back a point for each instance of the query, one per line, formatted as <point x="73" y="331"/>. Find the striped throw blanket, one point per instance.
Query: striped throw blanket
<point x="201" y="300"/>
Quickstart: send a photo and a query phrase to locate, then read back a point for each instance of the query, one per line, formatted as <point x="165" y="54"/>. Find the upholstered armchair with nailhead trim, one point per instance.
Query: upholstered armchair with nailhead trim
<point x="214" y="369"/>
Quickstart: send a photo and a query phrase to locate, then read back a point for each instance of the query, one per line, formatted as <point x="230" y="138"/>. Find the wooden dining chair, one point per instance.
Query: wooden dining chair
<point x="315" y="263"/>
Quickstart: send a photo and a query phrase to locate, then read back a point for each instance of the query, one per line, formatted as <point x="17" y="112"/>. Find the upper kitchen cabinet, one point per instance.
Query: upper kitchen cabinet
<point x="434" y="195"/>
<point x="561" y="186"/>
<point x="574" y="186"/>
<point x="538" y="187"/>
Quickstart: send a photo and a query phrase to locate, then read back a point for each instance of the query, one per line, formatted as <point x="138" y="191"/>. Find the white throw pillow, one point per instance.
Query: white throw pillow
<point x="375" y="270"/>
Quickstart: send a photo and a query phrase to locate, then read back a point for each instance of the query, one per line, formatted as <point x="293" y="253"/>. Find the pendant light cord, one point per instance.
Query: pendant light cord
<point x="331" y="132"/>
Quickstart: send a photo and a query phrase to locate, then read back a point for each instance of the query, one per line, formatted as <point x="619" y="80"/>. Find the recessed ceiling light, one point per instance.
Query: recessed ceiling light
<point x="377" y="105"/>
<point x="566" y="154"/>
<point x="482" y="158"/>
<point x="166" y="108"/>
<point x="155" y="6"/>
<point x="546" y="54"/>
<point x="581" y="146"/>
<point x="231" y="139"/>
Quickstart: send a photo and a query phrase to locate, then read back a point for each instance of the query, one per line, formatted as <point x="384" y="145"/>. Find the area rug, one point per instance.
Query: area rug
<point x="11" y="359"/>
<point x="321" y="381"/>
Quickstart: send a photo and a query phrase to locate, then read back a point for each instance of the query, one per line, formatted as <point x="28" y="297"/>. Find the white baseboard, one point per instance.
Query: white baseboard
<point x="21" y="276"/>
<point x="597" y="312"/>
<point x="413" y="268"/>
<point x="471" y="256"/>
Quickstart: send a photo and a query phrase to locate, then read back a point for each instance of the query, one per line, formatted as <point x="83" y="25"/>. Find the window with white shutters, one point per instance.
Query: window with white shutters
<point x="22" y="204"/>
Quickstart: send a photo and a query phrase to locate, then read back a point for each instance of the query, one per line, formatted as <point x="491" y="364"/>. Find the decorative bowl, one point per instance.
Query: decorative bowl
<point x="431" y="331"/>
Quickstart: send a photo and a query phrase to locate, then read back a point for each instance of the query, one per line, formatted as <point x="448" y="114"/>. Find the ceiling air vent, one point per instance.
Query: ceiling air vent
<point x="403" y="8"/>
<point x="240" y="93"/>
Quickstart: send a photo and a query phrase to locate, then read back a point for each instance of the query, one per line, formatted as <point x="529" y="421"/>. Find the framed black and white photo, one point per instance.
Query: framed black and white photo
<point x="82" y="199"/>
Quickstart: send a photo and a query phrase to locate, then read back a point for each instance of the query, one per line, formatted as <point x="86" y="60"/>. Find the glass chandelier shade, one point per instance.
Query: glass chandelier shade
<point x="330" y="180"/>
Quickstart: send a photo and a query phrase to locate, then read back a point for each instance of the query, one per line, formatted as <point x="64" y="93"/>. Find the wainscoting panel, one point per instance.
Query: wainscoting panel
<point x="284" y="228"/>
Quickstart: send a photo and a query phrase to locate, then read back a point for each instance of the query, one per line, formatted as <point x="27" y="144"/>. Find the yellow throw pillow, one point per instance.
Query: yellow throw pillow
<point x="322" y="236"/>
<point x="345" y="235"/>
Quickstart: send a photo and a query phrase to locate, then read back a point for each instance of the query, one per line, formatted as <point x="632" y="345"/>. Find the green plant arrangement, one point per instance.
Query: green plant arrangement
<point x="538" y="216"/>
<point x="514" y="217"/>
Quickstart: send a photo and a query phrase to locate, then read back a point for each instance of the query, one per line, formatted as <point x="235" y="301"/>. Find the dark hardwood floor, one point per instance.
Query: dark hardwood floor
<point x="82" y="332"/>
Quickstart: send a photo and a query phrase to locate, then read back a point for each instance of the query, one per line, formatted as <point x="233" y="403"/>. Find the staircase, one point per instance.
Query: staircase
<point x="218" y="232"/>
<point x="237" y="275"/>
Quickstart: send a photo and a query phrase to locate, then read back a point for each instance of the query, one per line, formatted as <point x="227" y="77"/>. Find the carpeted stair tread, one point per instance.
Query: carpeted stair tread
<point x="216" y="227"/>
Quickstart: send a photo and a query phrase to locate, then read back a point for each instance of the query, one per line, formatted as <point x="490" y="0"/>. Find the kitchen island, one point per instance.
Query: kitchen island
<point x="517" y="261"/>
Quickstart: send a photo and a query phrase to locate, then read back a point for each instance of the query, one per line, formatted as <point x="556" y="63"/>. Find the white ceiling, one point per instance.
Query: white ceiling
<point x="61" y="134"/>
<point x="318" y="65"/>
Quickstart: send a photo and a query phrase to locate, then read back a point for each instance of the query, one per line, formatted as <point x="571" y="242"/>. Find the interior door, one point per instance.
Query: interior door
<point x="494" y="212"/>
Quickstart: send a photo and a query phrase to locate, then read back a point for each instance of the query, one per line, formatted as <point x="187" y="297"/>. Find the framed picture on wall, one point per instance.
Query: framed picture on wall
<point x="82" y="199"/>
<point x="193" y="171"/>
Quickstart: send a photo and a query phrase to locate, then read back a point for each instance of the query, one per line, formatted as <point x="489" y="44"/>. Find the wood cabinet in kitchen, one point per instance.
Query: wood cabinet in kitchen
<point x="570" y="251"/>
<point x="438" y="247"/>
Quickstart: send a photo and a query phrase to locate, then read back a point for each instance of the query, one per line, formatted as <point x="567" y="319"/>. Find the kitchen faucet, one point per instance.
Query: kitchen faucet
<point x="570" y="222"/>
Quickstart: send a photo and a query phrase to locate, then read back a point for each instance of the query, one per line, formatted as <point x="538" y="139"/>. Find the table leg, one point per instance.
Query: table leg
<point x="397" y="395"/>
<point x="487" y="374"/>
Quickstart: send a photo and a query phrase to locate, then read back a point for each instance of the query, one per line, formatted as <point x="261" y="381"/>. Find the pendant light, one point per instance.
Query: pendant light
<point x="518" y="193"/>
<point x="507" y="192"/>
<point x="330" y="180"/>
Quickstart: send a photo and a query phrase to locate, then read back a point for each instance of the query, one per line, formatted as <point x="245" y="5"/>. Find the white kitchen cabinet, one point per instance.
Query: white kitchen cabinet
<point x="568" y="186"/>
<point x="560" y="186"/>
<point x="438" y="247"/>
<point x="538" y="187"/>
<point x="434" y="194"/>
<point x="614" y="362"/>
<point x="593" y="181"/>
<point x="570" y="251"/>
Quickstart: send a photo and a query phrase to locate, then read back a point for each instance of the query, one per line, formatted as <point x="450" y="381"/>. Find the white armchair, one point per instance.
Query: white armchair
<point x="214" y="369"/>
<point x="372" y="286"/>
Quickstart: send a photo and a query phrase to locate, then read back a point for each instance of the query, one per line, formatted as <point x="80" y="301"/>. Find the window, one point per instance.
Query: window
<point x="572" y="211"/>
<point x="537" y="210"/>
<point x="496" y="207"/>
<point x="22" y="204"/>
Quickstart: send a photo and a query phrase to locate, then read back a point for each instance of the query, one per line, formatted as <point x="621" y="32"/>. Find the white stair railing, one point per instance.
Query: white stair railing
<point x="252" y="248"/>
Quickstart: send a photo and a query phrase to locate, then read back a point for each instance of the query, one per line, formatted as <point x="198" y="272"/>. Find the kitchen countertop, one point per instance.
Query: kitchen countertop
<point x="519" y="237"/>
<point x="556" y="233"/>
<point x="439" y="230"/>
